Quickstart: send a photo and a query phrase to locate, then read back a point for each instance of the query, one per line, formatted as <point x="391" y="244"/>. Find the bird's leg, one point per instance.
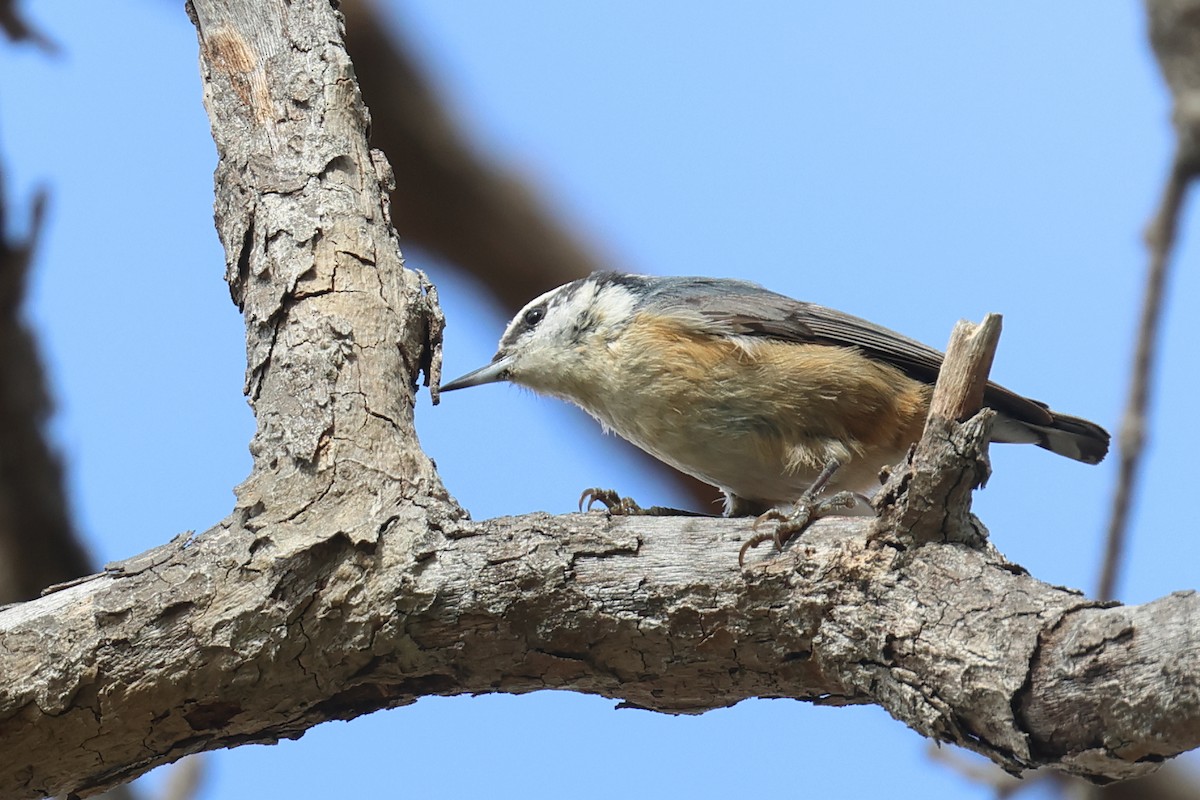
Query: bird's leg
<point x="627" y="506"/>
<point x="807" y="510"/>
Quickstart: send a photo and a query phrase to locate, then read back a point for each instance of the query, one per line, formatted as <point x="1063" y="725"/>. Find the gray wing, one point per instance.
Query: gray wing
<point x="745" y="309"/>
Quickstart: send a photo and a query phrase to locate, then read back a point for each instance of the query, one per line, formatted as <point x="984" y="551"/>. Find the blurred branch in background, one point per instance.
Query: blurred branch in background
<point x="449" y="198"/>
<point x="38" y="545"/>
<point x="18" y="30"/>
<point x="1174" y="27"/>
<point x="455" y="203"/>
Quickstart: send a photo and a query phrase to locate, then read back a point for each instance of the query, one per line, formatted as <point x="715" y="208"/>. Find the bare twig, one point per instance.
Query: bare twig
<point x="930" y="499"/>
<point x="1160" y="239"/>
<point x="963" y="378"/>
<point x="1174" y="36"/>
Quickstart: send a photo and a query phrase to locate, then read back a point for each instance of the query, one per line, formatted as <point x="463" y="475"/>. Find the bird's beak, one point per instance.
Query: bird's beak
<point x="495" y="371"/>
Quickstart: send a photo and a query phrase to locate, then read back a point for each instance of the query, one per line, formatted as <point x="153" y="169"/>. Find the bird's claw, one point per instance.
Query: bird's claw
<point x="805" y="513"/>
<point x="789" y="525"/>
<point x="613" y="502"/>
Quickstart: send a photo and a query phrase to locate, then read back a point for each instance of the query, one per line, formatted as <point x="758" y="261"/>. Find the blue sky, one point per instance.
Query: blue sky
<point x="911" y="163"/>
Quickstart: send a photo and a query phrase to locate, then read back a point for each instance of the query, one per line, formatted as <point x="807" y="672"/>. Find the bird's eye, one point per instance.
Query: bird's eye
<point x="534" y="315"/>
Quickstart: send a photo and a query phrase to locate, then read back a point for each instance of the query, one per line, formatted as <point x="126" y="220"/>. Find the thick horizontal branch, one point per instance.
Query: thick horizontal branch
<point x="235" y="637"/>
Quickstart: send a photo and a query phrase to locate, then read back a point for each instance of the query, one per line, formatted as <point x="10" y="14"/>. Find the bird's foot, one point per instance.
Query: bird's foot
<point x="627" y="506"/>
<point x="804" y="513"/>
<point x="622" y="506"/>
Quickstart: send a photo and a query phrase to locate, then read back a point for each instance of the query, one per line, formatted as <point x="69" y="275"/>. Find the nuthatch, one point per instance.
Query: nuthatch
<point x="769" y="399"/>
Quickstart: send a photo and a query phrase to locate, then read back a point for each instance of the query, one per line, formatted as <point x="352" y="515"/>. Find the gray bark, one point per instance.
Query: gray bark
<point x="347" y="580"/>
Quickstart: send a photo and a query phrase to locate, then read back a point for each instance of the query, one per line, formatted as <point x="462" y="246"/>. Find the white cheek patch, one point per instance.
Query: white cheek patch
<point x="557" y="354"/>
<point x="584" y="310"/>
<point x="613" y="305"/>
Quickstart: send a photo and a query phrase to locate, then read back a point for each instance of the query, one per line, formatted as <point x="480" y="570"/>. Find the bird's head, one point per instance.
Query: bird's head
<point x="555" y="344"/>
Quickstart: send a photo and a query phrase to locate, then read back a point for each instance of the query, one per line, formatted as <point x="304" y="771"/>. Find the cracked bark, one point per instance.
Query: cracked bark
<point x="346" y="579"/>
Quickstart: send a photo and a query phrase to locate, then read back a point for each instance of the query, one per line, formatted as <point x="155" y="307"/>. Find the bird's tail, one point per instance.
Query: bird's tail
<point x="1066" y="435"/>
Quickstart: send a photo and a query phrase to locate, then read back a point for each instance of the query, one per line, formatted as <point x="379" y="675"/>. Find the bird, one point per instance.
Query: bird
<point x="772" y="400"/>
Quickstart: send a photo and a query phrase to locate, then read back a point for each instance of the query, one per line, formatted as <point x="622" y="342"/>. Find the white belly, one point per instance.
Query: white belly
<point x="752" y="460"/>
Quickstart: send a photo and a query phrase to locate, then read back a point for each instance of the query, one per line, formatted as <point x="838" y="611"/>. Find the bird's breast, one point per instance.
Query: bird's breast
<point x="760" y="418"/>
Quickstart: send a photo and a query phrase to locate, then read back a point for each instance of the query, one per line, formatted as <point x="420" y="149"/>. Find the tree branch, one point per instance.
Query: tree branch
<point x="239" y="636"/>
